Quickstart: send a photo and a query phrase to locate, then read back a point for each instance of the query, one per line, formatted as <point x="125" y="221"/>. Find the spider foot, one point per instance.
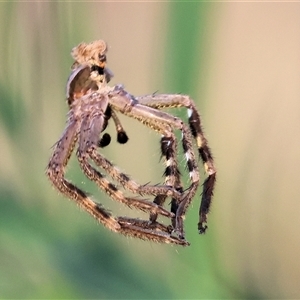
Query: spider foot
<point x="202" y="228"/>
<point x="179" y="233"/>
<point x="202" y="223"/>
<point x="178" y="228"/>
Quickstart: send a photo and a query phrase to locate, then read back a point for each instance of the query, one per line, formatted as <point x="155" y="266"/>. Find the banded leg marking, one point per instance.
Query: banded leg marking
<point x="175" y="101"/>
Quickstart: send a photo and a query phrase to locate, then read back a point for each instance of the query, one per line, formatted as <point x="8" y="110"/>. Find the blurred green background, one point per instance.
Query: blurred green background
<point x="241" y="64"/>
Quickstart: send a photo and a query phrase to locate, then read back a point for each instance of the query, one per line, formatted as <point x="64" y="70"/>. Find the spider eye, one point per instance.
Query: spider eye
<point x="97" y="69"/>
<point x="94" y="68"/>
<point x="102" y="58"/>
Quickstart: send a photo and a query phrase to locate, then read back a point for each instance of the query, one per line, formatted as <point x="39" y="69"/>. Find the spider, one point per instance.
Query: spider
<point x="92" y="103"/>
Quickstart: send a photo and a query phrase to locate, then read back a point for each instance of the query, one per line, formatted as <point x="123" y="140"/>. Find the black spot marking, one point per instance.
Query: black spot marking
<point x="204" y="153"/>
<point x="168" y="171"/>
<point x="190" y="165"/>
<point x="122" y="137"/>
<point x="194" y="122"/>
<point x="104" y="141"/>
<point x="124" y="177"/>
<point x="185" y="146"/>
<point x="165" y="145"/>
<point x="112" y="187"/>
<point x="104" y="213"/>
<point x="102" y="57"/>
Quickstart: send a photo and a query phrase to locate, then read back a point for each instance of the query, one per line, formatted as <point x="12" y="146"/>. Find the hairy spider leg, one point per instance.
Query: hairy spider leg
<point x="89" y="131"/>
<point x="146" y="224"/>
<point x="88" y="149"/>
<point x="99" y="160"/>
<point x="146" y="231"/>
<point x="91" y="110"/>
<point x="80" y="83"/>
<point x="174" y="101"/>
<point x="89" y="75"/>
<point x="128" y="183"/>
<point x="160" y="234"/>
<point x="164" y="123"/>
<point x="56" y="173"/>
<point x="171" y="173"/>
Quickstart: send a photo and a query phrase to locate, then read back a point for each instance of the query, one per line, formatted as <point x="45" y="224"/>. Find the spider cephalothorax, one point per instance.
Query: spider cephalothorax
<point x="92" y="103"/>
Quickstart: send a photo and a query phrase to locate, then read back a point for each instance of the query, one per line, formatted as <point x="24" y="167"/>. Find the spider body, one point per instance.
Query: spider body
<point x="92" y="104"/>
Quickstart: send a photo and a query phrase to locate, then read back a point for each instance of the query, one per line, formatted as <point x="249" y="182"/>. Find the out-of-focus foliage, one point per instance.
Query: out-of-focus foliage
<point x="240" y="62"/>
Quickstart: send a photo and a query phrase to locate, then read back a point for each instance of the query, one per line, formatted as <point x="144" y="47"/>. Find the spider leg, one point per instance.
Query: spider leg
<point x="172" y="175"/>
<point x="76" y="83"/>
<point x="56" y="174"/>
<point x="146" y="224"/>
<point x="89" y="132"/>
<point x="126" y="226"/>
<point x="170" y="101"/>
<point x="147" y="231"/>
<point x="92" y="103"/>
<point x="165" y="124"/>
<point x="128" y="183"/>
